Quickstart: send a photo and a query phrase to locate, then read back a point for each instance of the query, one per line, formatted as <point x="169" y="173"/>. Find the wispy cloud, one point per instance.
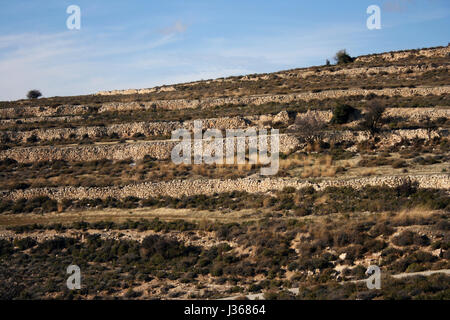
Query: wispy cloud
<point x="139" y="55"/>
<point x="177" y="27"/>
<point x="412" y="12"/>
<point x="77" y="63"/>
<point x="65" y="63"/>
<point x="397" y="5"/>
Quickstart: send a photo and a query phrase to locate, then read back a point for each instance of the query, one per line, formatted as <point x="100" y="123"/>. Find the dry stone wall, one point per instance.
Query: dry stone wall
<point x="165" y="128"/>
<point x="418" y="114"/>
<point x="398" y="71"/>
<point x="161" y="149"/>
<point x="395" y="56"/>
<point x="386" y="138"/>
<point x="177" y="188"/>
<point x="66" y="119"/>
<point x="308" y="72"/>
<point x="158" y="149"/>
<point x="137" y="91"/>
<point x="263" y="99"/>
<point x="29" y="111"/>
<point x="124" y="130"/>
<point x="415" y="70"/>
<point x="215" y="102"/>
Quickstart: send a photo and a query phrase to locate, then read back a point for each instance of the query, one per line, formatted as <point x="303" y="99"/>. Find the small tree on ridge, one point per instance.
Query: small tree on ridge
<point x="34" y="94"/>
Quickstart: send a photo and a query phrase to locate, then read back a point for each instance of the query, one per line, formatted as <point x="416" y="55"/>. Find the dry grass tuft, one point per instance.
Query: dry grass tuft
<point x="368" y="172"/>
<point x="416" y="212"/>
<point x="311" y="166"/>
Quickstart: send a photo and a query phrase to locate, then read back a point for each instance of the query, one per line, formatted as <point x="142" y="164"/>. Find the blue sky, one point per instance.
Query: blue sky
<point x="140" y="44"/>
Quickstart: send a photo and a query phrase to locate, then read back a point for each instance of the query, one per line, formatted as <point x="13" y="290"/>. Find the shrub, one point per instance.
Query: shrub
<point x="25" y="243"/>
<point x="399" y="164"/>
<point x="132" y="294"/>
<point x="310" y="127"/>
<point x="407" y="238"/>
<point x="166" y="248"/>
<point x="34" y="94"/>
<point x="255" y="288"/>
<point x="407" y="187"/>
<point x="342" y="57"/>
<point x="382" y="228"/>
<point x="217" y="271"/>
<point x="342" y="113"/>
<point x="5" y="247"/>
<point x="21" y="186"/>
<point x="372" y="118"/>
<point x="32" y="139"/>
<point x="59" y="243"/>
<point x="443" y="225"/>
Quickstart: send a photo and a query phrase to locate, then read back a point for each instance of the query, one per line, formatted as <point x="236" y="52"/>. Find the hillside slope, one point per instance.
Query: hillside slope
<point x="363" y="179"/>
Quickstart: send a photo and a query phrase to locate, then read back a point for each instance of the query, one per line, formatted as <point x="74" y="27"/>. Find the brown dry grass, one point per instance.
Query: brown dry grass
<point x="122" y="215"/>
<point x="414" y="213"/>
<point x="310" y="166"/>
<point x="368" y="172"/>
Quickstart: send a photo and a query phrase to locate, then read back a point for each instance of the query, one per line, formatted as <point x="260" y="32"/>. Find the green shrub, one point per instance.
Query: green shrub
<point x="342" y="113"/>
<point x="342" y="57"/>
<point x="34" y="94"/>
<point x="399" y="164"/>
<point x="6" y="247"/>
<point x="24" y="243"/>
<point x="255" y="288"/>
<point x="407" y="238"/>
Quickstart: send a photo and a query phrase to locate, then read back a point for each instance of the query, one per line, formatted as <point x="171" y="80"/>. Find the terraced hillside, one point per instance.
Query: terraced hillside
<point x="363" y="178"/>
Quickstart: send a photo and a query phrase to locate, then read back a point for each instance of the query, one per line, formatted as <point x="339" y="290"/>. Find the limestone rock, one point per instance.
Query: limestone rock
<point x="282" y="117"/>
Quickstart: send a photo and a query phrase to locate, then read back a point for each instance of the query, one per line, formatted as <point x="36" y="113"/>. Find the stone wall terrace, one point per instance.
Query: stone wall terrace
<point x="165" y="128"/>
<point x="161" y="149"/>
<point x="158" y="149"/>
<point x="177" y="188"/>
<point x="6" y="113"/>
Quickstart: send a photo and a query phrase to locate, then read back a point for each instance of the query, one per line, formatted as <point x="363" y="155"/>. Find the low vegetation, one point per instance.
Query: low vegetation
<point x="168" y="261"/>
